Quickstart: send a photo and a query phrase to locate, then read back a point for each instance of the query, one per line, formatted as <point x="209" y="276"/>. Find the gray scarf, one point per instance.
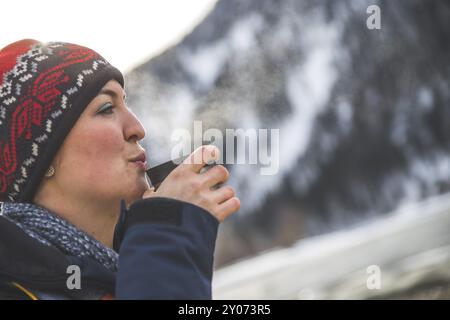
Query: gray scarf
<point x="52" y="230"/>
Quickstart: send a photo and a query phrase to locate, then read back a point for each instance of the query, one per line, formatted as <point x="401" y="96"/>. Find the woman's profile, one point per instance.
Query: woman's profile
<point x="78" y="219"/>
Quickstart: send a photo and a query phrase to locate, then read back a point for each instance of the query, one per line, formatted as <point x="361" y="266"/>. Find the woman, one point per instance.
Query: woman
<point x="78" y="219"/>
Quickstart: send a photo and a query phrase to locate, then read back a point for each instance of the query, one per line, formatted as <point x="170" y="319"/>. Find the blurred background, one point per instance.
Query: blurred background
<point x="359" y="207"/>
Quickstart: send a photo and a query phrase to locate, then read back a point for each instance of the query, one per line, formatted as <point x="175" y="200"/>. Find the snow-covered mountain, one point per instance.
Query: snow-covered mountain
<point x="364" y="115"/>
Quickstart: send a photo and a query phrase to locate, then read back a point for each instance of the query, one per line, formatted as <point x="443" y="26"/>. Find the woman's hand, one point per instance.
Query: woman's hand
<point x="186" y="183"/>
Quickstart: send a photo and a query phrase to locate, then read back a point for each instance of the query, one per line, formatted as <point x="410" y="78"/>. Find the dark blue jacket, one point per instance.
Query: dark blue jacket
<point x="166" y="251"/>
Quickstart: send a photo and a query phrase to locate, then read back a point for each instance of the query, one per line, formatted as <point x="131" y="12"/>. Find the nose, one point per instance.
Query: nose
<point x="133" y="129"/>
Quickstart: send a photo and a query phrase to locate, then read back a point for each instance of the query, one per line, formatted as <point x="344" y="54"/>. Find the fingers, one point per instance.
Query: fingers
<point x="222" y="194"/>
<point x="227" y="208"/>
<point x="188" y="183"/>
<point x="215" y="175"/>
<point x="200" y="157"/>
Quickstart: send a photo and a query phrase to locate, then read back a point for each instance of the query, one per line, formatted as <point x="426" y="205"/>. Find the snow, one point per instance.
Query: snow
<point x="313" y="267"/>
<point x="206" y="62"/>
<point x="308" y="89"/>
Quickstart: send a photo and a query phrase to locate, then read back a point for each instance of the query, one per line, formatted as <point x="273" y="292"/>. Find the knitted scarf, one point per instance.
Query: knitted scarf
<point x="52" y="230"/>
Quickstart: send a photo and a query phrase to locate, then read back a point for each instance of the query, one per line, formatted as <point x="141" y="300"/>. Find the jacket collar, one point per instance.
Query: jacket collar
<point x="34" y="264"/>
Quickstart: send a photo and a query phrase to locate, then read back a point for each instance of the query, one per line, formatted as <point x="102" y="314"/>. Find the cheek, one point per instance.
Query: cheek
<point x="96" y="152"/>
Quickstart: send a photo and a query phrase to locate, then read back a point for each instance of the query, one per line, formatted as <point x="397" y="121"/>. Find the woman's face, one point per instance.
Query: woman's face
<point x="95" y="162"/>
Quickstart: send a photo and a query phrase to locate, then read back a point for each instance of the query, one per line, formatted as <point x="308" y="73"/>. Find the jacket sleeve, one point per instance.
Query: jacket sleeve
<point x="166" y="250"/>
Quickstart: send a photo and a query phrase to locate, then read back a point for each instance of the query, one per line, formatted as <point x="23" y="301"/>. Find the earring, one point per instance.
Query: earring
<point x="50" y="172"/>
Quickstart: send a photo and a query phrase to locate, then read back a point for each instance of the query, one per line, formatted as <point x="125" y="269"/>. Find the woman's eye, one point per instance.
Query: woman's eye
<point x="107" y="108"/>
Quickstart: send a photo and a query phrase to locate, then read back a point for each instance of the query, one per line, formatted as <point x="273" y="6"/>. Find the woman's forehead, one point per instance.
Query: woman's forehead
<point x="113" y="88"/>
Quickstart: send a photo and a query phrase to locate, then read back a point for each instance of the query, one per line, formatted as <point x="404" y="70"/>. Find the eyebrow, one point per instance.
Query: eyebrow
<point x="111" y="93"/>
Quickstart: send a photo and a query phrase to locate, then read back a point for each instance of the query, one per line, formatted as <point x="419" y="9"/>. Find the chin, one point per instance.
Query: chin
<point x="134" y="187"/>
<point x="138" y="190"/>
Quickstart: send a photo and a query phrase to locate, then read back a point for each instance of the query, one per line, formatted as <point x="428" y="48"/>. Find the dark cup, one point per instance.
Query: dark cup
<point x="158" y="173"/>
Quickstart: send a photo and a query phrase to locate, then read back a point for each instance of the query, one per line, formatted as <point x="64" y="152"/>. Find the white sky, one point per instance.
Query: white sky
<point x="125" y="32"/>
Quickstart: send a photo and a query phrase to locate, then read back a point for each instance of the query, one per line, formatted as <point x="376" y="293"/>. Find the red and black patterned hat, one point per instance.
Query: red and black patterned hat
<point x="44" y="88"/>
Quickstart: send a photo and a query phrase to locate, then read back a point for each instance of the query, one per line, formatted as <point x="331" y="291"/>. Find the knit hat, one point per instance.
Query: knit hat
<point x="44" y="88"/>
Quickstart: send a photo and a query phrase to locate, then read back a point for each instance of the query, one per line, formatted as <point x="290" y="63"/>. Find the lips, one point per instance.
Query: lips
<point x="140" y="161"/>
<point x="140" y="157"/>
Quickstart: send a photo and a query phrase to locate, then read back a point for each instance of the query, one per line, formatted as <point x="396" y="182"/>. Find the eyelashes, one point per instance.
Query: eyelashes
<point x="107" y="108"/>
